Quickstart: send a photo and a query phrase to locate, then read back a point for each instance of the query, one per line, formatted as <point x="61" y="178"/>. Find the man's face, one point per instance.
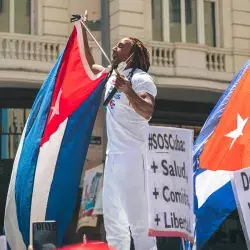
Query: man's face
<point x="121" y="51"/>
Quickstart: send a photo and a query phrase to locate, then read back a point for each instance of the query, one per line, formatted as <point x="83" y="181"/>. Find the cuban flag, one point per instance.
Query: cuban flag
<point x="222" y="146"/>
<point x="50" y="158"/>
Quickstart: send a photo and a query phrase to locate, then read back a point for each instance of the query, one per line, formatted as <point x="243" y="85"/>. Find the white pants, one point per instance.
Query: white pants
<point x="124" y="202"/>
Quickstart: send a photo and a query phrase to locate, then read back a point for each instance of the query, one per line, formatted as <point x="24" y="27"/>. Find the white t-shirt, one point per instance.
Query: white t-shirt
<point x="126" y="129"/>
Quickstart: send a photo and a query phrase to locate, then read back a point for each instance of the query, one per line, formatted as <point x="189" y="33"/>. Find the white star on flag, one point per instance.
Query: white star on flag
<point x="235" y="134"/>
<point x="55" y="108"/>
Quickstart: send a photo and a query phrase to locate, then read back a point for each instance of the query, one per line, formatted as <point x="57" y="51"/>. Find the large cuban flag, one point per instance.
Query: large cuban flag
<point x="222" y="146"/>
<point x="48" y="165"/>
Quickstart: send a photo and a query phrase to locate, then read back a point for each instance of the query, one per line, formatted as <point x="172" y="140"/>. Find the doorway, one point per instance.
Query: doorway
<point x="15" y="105"/>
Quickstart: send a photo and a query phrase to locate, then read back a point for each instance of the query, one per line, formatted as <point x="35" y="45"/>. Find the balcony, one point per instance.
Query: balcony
<point x="27" y="59"/>
<point x="191" y="66"/>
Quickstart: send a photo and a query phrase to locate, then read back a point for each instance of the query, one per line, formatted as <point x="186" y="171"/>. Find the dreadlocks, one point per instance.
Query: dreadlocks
<point x="141" y="56"/>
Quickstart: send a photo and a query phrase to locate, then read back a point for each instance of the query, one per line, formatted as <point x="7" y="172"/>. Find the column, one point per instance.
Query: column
<point x="183" y="22"/>
<point x="200" y="22"/>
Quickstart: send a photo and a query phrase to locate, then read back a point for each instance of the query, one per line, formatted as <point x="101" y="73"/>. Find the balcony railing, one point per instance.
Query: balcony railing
<point x="191" y="60"/>
<point x="162" y="56"/>
<point x="38" y="53"/>
<point x="215" y="60"/>
<point x="27" y="47"/>
<point x="33" y="48"/>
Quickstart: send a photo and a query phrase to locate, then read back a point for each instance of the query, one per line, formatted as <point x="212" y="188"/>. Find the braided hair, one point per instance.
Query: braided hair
<point x="141" y="56"/>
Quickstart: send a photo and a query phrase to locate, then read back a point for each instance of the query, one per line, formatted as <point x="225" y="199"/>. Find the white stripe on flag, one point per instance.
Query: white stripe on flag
<point x="209" y="182"/>
<point x="13" y="235"/>
<point x="45" y="169"/>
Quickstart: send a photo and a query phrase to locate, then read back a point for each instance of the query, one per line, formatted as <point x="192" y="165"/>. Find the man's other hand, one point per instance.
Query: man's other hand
<point x="122" y="84"/>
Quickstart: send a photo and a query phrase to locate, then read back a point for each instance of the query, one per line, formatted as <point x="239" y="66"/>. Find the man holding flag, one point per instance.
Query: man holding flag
<point x="128" y="112"/>
<point x="48" y="165"/>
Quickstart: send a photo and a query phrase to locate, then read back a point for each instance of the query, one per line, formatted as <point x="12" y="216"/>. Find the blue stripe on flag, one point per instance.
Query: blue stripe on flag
<point x="29" y="155"/>
<point x="215" y="209"/>
<point x="74" y="147"/>
<point x="213" y="212"/>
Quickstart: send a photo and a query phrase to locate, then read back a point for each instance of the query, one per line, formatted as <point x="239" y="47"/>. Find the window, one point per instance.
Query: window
<point x="175" y="11"/>
<point x="4" y="15"/>
<point x="22" y="16"/>
<point x="175" y="17"/>
<point x="157" y="20"/>
<point x="175" y="20"/>
<point x="210" y="23"/>
<point x="191" y="21"/>
<point x="15" y="16"/>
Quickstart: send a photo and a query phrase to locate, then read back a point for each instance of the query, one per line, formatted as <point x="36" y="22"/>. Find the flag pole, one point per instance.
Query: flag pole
<point x="78" y="17"/>
<point x="99" y="46"/>
<point x="183" y="244"/>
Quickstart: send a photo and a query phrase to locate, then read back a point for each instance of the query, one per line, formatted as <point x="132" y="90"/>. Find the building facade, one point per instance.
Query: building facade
<point x="196" y="47"/>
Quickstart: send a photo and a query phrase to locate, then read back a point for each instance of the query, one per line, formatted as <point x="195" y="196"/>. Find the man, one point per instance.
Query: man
<point x="124" y="201"/>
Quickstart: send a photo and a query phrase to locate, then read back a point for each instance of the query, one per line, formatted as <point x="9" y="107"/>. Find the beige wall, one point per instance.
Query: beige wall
<point x="53" y="18"/>
<point x="126" y="19"/>
<point x="241" y="31"/>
